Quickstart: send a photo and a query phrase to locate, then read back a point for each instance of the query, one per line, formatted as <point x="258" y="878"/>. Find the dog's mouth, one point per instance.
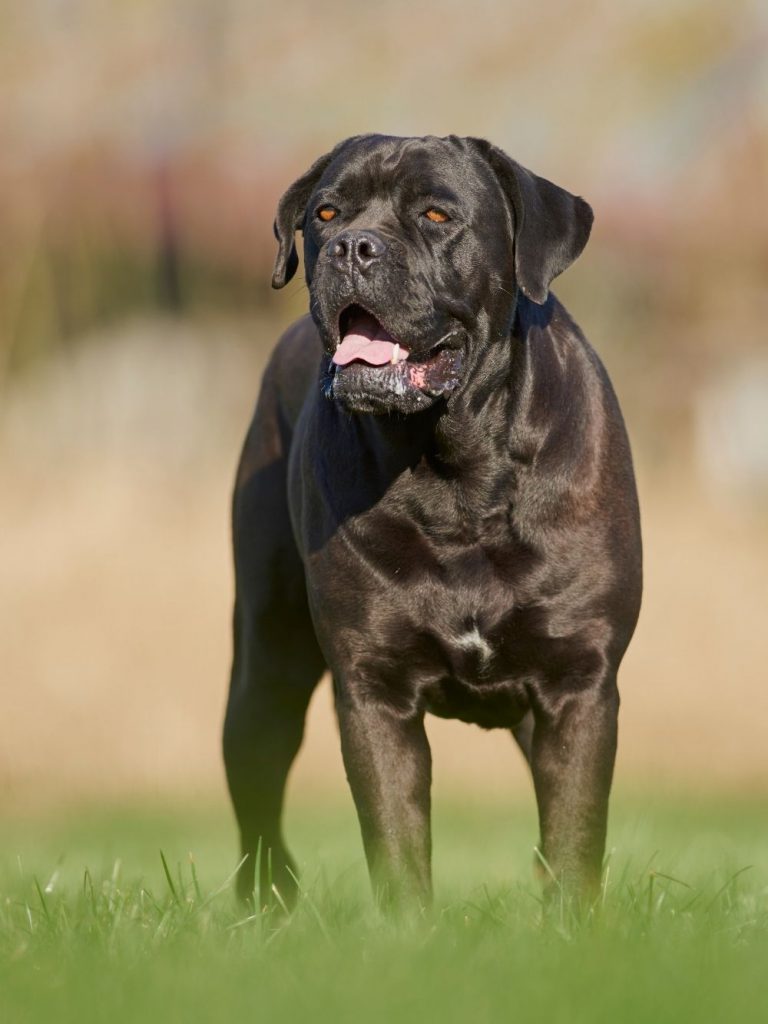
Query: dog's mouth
<point x="364" y="339"/>
<point x="371" y="370"/>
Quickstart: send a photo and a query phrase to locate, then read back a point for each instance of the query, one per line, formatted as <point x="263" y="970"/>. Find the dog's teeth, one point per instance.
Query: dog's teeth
<point x="395" y="354"/>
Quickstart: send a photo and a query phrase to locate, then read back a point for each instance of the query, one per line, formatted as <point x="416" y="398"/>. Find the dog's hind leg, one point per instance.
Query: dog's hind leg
<point x="271" y="686"/>
<point x="276" y="666"/>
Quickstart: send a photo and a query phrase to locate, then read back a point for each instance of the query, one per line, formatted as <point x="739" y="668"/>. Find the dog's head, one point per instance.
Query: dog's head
<point x="414" y="250"/>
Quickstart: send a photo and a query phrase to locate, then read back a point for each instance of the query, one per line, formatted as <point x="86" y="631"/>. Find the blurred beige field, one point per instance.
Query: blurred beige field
<point x="143" y="148"/>
<point x="116" y="593"/>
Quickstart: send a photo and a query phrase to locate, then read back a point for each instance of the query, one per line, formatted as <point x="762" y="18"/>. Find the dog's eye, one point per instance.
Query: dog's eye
<point x="327" y="213"/>
<point x="436" y="216"/>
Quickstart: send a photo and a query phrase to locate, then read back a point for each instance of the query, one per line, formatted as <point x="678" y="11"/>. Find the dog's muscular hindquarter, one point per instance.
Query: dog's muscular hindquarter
<point x="436" y="501"/>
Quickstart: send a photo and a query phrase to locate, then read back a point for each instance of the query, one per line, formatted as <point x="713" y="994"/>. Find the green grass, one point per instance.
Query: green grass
<point x="93" y="928"/>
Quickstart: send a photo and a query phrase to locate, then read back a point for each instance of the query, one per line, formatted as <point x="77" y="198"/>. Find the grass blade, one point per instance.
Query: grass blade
<point x="195" y="883"/>
<point x="169" y="879"/>
<point x="43" y="901"/>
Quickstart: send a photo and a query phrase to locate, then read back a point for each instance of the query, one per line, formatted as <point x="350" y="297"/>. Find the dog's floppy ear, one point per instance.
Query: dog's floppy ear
<point x="290" y="217"/>
<point x="551" y="225"/>
<point x="291" y="211"/>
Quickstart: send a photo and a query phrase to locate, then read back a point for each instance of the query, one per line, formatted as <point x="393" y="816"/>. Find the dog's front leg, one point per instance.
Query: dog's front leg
<point x="388" y="764"/>
<point x="572" y="756"/>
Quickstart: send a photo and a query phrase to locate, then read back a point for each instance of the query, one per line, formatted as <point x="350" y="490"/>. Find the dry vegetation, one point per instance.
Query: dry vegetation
<point x="143" y="148"/>
<point x="115" y="603"/>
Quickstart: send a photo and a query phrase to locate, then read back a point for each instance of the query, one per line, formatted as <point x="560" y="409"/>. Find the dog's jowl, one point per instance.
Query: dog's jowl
<point x="436" y="502"/>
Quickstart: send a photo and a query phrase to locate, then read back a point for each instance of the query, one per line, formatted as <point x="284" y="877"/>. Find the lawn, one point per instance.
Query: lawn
<point x="96" y="926"/>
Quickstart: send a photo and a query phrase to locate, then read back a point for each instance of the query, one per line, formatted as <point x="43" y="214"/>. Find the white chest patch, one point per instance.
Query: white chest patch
<point x="473" y="641"/>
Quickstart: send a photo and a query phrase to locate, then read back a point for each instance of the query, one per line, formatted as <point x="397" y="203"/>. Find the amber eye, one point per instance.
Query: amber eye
<point x="436" y="216"/>
<point x="326" y="213"/>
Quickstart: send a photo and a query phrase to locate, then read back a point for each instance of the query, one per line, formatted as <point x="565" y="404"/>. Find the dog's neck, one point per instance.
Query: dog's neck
<point x="463" y="431"/>
<point x="534" y="388"/>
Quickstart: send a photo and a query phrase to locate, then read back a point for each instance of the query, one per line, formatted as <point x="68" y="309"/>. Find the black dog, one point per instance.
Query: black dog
<point x="436" y="501"/>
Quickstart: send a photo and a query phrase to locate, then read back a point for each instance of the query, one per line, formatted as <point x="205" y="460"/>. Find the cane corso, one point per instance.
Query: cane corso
<point x="435" y="501"/>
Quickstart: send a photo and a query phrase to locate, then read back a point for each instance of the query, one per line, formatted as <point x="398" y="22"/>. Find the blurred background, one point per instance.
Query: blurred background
<point x="143" y="148"/>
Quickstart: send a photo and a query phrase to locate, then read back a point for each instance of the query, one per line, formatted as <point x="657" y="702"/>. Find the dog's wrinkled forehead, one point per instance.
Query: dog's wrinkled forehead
<point x="382" y="166"/>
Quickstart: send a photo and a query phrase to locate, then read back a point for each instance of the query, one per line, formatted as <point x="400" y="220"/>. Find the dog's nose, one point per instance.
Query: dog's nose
<point x="358" y="248"/>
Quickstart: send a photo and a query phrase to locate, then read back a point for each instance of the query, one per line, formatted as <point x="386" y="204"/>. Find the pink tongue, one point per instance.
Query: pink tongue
<point x="368" y="341"/>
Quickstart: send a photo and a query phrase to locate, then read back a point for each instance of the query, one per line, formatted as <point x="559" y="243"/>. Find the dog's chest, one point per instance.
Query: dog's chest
<point x="436" y="618"/>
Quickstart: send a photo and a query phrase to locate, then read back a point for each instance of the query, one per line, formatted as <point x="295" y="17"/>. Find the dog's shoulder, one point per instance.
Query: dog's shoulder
<point x="293" y="367"/>
<point x="584" y="448"/>
<point x="296" y="354"/>
<point x="550" y="320"/>
<point x="562" y="350"/>
<point x="291" y="371"/>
